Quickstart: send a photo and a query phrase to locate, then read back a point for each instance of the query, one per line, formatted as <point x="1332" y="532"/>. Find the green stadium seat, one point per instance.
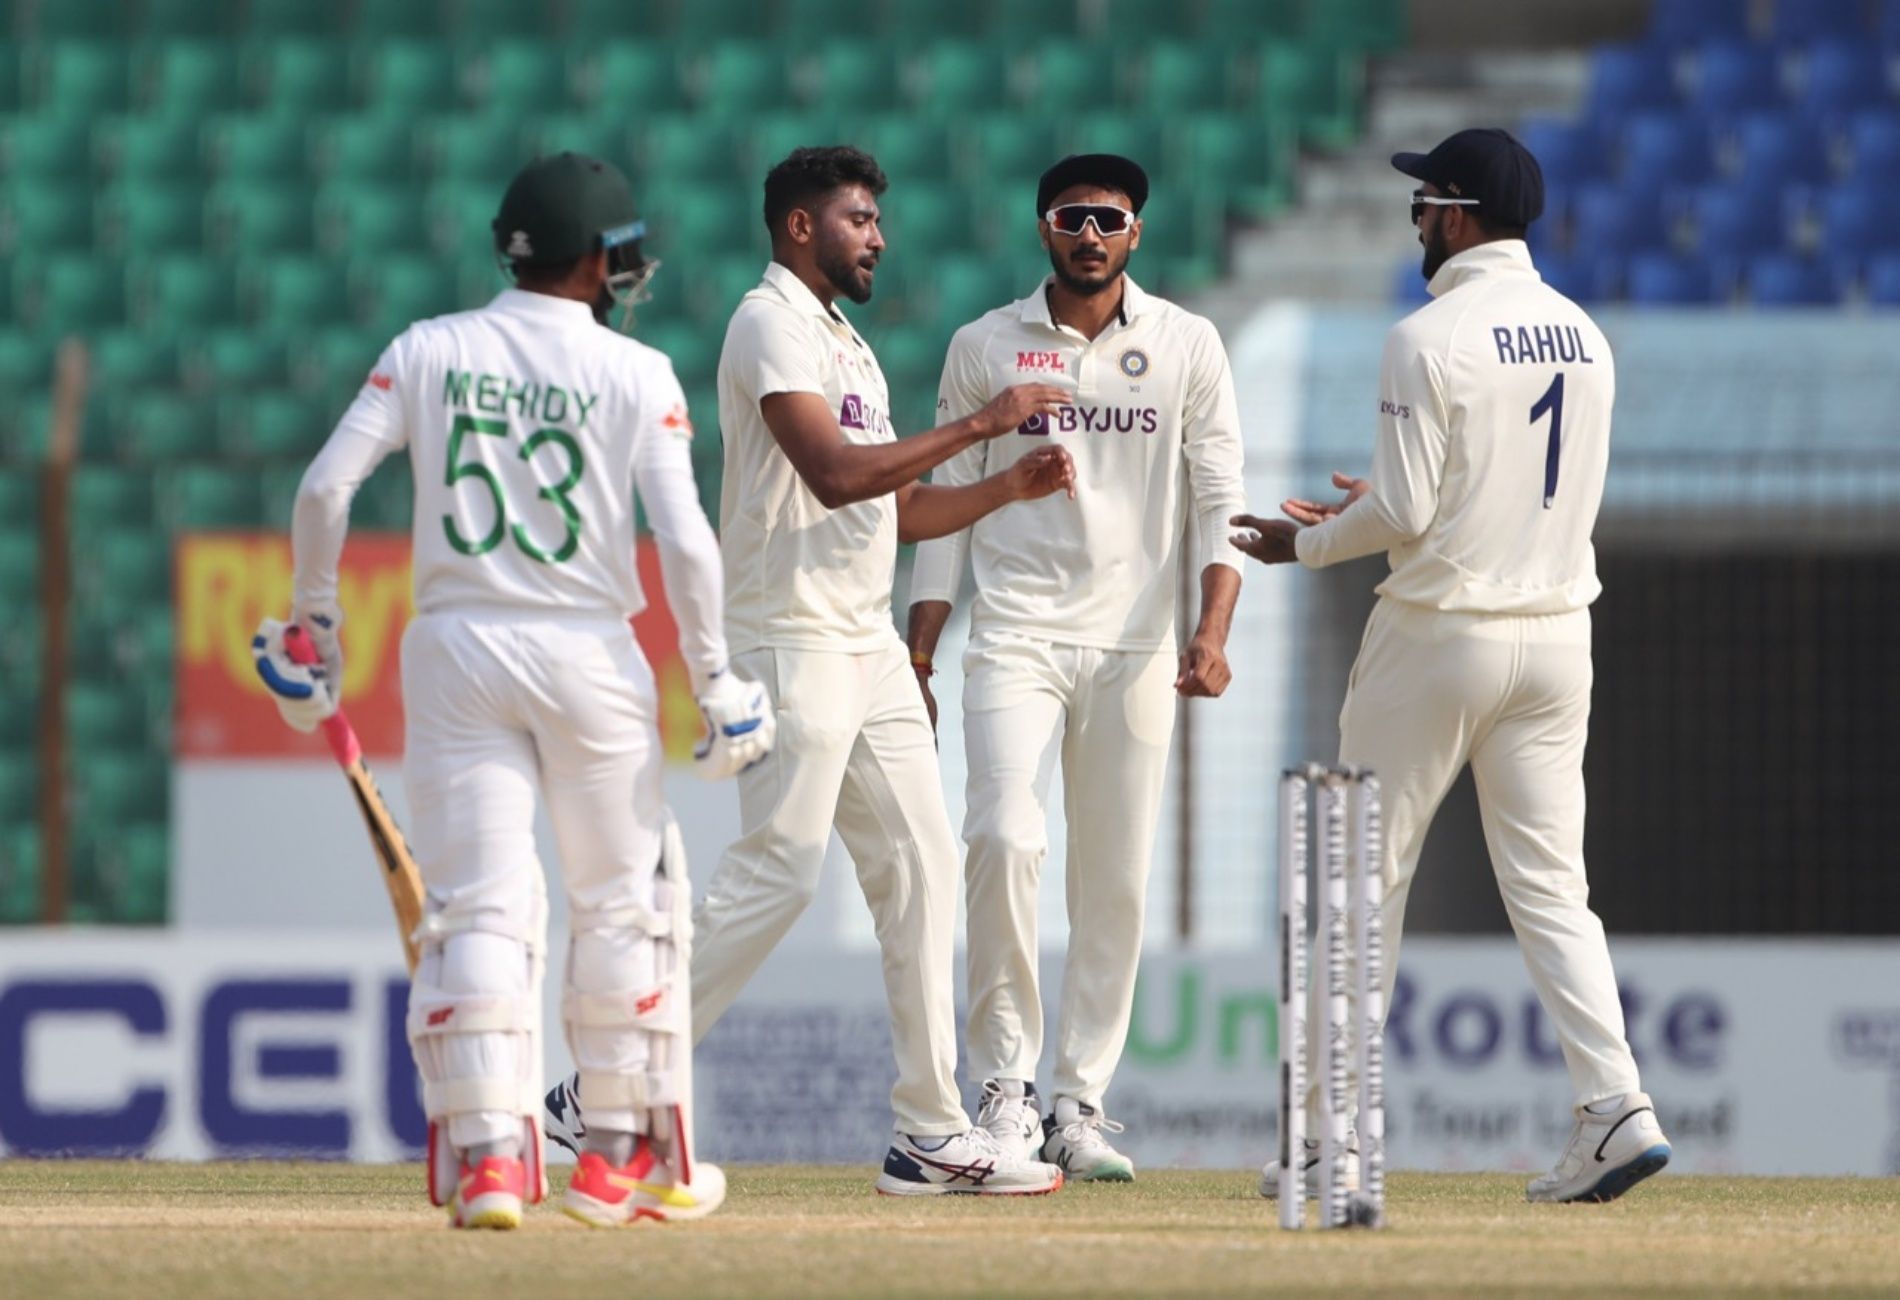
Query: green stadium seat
<point x="1358" y="24"/>
<point x="194" y="498"/>
<point x="170" y="19"/>
<point x="518" y="77"/>
<point x="697" y="24"/>
<point x="145" y="218"/>
<point x="80" y="80"/>
<point x="106" y="19"/>
<point x="597" y="136"/>
<point x="386" y="500"/>
<point x="184" y="291"/>
<point x="1251" y="156"/>
<point x="300" y="75"/>
<point x="36" y="149"/>
<point x="92" y="648"/>
<point x="1184" y="77"/>
<point x="477" y="280"/>
<point x="959" y="78"/>
<point x="23" y="430"/>
<point x="594" y="21"/>
<point x="46" y="217"/>
<point x="19" y="499"/>
<point x="371" y="218"/>
<point x="277" y="489"/>
<point x="132" y="358"/>
<point x="740" y="78"/>
<point x="803" y="21"/>
<point x="854" y="76"/>
<point x="150" y="641"/>
<point x="70" y="293"/>
<point x="683" y="149"/>
<point x="274" y="20"/>
<point x="1316" y="86"/>
<point x="253" y="219"/>
<point x="121" y="874"/>
<point x="367" y="147"/>
<point x="1135" y="134"/>
<point x="632" y="79"/>
<point x="103" y="717"/>
<point x="26" y="360"/>
<point x="407" y="18"/>
<point x="334" y="362"/>
<point x="694" y="221"/>
<point x="1033" y="24"/>
<point x="119" y="571"/>
<point x="1010" y="146"/>
<point x="257" y="149"/>
<point x="149" y="148"/>
<point x="768" y="141"/>
<point x="19" y="564"/>
<point x="693" y="351"/>
<point x="912" y="357"/>
<point x="460" y="217"/>
<point x="1242" y="22"/>
<point x="160" y="425"/>
<point x="965" y="288"/>
<point x="923" y="219"/>
<point x="666" y="289"/>
<point x="109" y="496"/>
<point x="486" y="150"/>
<point x="1181" y="243"/>
<point x="403" y="290"/>
<point x="271" y="426"/>
<point x="109" y="788"/>
<point x="9" y="80"/>
<point x="714" y="292"/>
<point x="20" y="776"/>
<point x="191" y="78"/>
<point x="1132" y="23"/>
<point x="1065" y="78"/>
<point x="236" y="358"/>
<point x="908" y="148"/>
<point x="19" y="873"/>
<point x="486" y="20"/>
<point x="411" y="77"/>
<point x="297" y="294"/>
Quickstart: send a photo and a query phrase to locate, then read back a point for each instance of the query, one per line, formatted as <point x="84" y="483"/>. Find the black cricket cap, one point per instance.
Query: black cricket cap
<point x="560" y="208"/>
<point x="1486" y="164"/>
<point x="1110" y="170"/>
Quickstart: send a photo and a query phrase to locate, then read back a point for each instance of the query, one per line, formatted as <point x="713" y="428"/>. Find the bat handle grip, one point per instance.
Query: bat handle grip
<point x="336" y="728"/>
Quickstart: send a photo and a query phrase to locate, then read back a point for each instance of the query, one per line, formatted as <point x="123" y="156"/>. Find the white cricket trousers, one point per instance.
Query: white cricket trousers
<point x="498" y="705"/>
<point x="854" y="751"/>
<point x="1109" y="716"/>
<point x="1510" y="694"/>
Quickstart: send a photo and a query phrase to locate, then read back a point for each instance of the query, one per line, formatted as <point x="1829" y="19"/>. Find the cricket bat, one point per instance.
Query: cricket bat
<point x="392" y="852"/>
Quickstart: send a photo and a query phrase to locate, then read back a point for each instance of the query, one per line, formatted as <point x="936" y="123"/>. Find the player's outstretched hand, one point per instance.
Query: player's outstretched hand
<point x="1307" y="512"/>
<point x="1042" y="472"/>
<point x="302" y="692"/>
<point x="740" y="726"/>
<point x="1269" y="541"/>
<point x="1017" y="405"/>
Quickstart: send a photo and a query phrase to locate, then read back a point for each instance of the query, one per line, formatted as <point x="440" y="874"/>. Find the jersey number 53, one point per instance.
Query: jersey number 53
<point x="455" y="471"/>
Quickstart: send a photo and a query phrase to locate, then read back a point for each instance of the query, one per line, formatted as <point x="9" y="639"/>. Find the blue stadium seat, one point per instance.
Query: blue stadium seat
<point x="1687" y="22"/>
<point x="1858" y="220"/>
<point x="1789" y="280"/>
<point x="1883" y="280"/>
<point x="1408" y="286"/>
<point x="1843" y="77"/>
<point x="1734" y="77"/>
<point x="1779" y="149"/>
<point x="1887" y="25"/>
<point x="1568" y="152"/>
<point x="1629" y="78"/>
<point x="1666" y="280"/>
<point x="1612" y="220"/>
<point x="1663" y="151"/>
<point x="1873" y="146"/>
<point x="1578" y="278"/>
<point x="1797" y="22"/>
<point x="1737" y="221"/>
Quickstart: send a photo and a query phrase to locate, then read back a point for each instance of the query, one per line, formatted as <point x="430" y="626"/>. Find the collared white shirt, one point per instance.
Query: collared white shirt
<point x="800" y="575"/>
<point x="1155" y="433"/>
<point x="528" y="428"/>
<point x="1493" y="441"/>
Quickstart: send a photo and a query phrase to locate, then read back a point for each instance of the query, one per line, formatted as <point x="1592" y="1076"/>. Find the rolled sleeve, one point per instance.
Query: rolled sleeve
<point x="1211" y="441"/>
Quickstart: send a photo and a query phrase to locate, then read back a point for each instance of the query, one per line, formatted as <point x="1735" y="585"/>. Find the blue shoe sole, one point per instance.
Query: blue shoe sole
<point x="1618" y="1181"/>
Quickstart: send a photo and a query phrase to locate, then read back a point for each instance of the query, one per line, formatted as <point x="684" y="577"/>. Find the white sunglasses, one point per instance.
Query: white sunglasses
<point x="1108" y="219"/>
<point x="1422" y="201"/>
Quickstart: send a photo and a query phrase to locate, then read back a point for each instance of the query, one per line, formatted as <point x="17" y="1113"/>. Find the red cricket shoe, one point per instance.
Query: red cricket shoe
<point x="490" y="1194"/>
<point x="602" y="1196"/>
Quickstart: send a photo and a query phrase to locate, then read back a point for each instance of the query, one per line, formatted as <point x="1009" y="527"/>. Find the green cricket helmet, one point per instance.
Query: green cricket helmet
<point x="566" y="207"/>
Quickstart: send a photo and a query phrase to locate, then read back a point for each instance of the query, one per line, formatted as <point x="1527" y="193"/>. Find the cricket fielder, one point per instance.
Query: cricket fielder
<point x="530" y="428"/>
<point x="1072" y="650"/>
<point x="1493" y="440"/>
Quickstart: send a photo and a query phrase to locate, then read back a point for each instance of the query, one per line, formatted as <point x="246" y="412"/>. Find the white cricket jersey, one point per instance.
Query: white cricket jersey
<point x="528" y="426"/>
<point x="1154" y="431"/>
<point x="800" y="575"/>
<point x="1494" y="437"/>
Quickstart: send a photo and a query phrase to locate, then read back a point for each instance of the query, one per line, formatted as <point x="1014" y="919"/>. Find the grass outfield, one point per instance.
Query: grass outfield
<point x="91" y="1228"/>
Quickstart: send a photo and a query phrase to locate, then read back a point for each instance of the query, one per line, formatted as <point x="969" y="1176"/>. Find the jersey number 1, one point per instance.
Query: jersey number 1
<point x="1553" y="402"/>
<point x="467" y="424"/>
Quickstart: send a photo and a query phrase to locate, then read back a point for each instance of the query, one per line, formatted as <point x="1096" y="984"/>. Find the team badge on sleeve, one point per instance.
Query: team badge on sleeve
<point x="1134" y="363"/>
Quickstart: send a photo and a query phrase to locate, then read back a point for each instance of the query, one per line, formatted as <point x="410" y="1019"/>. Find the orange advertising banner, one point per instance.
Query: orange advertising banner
<point x="227" y="582"/>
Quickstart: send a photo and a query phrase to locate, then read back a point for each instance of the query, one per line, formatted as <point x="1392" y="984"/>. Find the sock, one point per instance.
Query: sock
<point x="614" y="1147"/>
<point x="482" y="1150"/>
<point x="1609" y="1105"/>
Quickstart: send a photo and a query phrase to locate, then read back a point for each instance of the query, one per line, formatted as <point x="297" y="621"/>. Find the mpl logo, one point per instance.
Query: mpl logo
<point x="1040" y="361"/>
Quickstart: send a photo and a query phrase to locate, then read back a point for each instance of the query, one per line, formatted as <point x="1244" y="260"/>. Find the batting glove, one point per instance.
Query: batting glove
<point x="302" y="692"/>
<point x="740" y="726"/>
<point x="322" y="623"/>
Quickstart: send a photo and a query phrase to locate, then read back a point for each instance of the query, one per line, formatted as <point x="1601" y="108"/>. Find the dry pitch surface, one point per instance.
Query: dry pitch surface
<point x="313" y="1231"/>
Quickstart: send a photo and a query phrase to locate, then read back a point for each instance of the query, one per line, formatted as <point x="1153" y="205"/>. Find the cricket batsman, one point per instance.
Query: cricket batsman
<point x="1487" y="471"/>
<point x="1072" y="654"/>
<point x="530" y="428"/>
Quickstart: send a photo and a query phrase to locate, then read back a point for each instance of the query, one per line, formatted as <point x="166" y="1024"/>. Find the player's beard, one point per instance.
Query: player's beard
<point x="1086" y="282"/>
<point x="1436" y="251"/>
<point x="848" y="274"/>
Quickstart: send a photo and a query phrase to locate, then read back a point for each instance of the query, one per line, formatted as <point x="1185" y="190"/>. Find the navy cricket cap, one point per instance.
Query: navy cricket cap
<point x="1109" y="170"/>
<point x="1486" y="164"/>
<point x="560" y="208"/>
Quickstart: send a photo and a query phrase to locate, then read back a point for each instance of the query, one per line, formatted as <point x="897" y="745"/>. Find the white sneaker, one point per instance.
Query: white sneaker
<point x="1608" y="1154"/>
<point x="1010" y="1114"/>
<point x="967" y="1162"/>
<point x="1270" y="1172"/>
<point x="1073" y="1139"/>
<point x="561" y="1114"/>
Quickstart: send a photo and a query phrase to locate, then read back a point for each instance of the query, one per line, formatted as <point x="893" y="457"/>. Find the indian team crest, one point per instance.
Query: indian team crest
<point x="1134" y="363"/>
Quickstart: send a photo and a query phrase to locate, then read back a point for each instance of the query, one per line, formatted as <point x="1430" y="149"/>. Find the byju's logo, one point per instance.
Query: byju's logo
<point x="1036" y="426"/>
<point x="851" y="414"/>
